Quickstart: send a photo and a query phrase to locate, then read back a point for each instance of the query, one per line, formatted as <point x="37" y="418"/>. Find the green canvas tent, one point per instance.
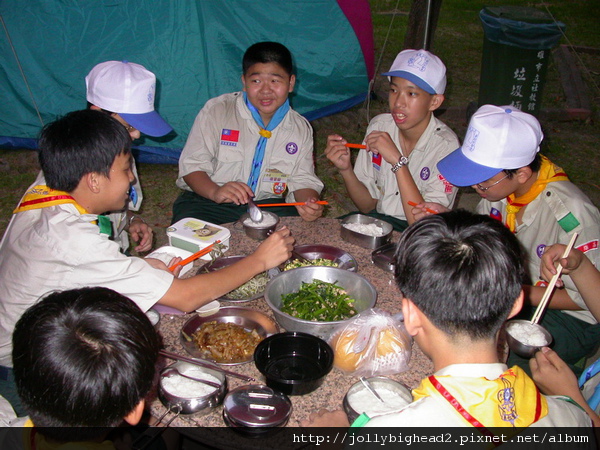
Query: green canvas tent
<point x="193" y="46"/>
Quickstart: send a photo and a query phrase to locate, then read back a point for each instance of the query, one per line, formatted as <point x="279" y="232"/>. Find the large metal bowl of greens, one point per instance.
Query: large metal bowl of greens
<point x="304" y="299"/>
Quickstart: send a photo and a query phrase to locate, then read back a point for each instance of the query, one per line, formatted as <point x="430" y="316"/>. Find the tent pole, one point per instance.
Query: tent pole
<point x="427" y="24"/>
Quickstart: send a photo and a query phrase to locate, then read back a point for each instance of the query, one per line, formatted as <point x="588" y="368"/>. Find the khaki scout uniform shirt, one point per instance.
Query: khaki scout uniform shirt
<point x="57" y="248"/>
<point x="431" y="412"/>
<point x="552" y="217"/>
<point x="437" y="141"/>
<point x="222" y="143"/>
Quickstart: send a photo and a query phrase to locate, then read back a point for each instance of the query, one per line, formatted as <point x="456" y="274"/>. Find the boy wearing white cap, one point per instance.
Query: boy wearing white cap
<point x="126" y="91"/>
<point x="500" y="159"/>
<point x="402" y="146"/>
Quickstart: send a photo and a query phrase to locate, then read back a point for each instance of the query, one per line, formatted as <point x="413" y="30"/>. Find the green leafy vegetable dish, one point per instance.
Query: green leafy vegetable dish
<point x="313" y="262"/>
<point x="319" y="301"/>
<point x="249" y="289"/>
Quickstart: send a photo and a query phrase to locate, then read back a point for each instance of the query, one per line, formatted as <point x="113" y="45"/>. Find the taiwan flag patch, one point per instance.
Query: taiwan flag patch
<point x="495" y="214"/>
<point x="376" y="160"/>
<point x="230" y="137"/>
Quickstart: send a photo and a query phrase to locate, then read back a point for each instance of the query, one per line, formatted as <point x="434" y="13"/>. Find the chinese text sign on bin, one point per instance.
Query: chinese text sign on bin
<point x="516" y="46"/>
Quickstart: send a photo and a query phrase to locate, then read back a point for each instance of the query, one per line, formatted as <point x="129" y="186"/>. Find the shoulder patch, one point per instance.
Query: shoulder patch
<point x="568" y="222"/>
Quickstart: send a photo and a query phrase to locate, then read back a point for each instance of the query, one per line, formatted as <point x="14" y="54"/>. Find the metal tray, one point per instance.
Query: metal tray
<point x="383" y="256"/>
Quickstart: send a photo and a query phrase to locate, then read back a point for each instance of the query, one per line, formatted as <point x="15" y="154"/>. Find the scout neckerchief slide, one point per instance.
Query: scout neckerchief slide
<point x="548" y="173"/>
<point x="41" y="196"/>
<point x="265" y="133"/>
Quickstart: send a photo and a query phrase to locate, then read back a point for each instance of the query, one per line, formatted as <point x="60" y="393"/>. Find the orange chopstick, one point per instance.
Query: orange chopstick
<point x="195" y="256"/>
<point x="356" y="146"/>
<point x="264" y="205"/>
<point x="426" y="209"/>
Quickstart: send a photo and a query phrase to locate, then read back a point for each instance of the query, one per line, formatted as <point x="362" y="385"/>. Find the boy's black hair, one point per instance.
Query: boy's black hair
<point x="268" y="52"/>
<point x="533" y="165"/>
<point x="79" y="143"/>
<point x="463" y="271"/>
<point x="83" y="358"/>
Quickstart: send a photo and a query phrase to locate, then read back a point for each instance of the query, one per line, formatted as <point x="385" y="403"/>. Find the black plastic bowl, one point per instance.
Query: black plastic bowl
<point x="293" y="362"/>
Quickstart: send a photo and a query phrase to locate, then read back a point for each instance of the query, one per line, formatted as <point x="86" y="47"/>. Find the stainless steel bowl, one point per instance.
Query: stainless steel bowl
<point x="357" y="287"/>
<point x="398" y="396"/>
<point x="256" y="410"/>
<point x="225" y="261"/>
<point x="247" y="318"/>
<point x="523" y="349"/>
<point x="202" y="403"/>
<point x="364" y="240"/>
<point x="154" y="316"/>
<point x="258" y="231"/>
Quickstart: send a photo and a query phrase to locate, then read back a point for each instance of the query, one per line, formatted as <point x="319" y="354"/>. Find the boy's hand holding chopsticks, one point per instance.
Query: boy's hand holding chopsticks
<point x="338" y="153"/>
<point x="421" y="210"/>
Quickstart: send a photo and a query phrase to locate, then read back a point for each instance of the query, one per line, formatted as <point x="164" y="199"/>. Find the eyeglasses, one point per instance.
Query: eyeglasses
<point x="129" y="128"/>
<point x="483" y="189"/>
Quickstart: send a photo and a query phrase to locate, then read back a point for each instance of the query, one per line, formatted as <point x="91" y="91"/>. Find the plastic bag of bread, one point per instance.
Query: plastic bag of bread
<point x="373" y="343"/>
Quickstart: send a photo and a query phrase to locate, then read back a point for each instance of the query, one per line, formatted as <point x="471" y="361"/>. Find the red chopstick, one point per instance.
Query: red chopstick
<point x="426" y="209"/>
<point x="356" y="146"/>
<point x="264" y="205"/>
<point x="195" y="256"/>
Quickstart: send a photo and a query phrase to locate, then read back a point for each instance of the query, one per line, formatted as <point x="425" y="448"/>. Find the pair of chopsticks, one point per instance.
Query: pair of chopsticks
<point x="264" y="205"/>
<point x="203" y="363"/>
<point x="195" y="256"/>
<point x="429" y="210"/>
<point x="360" y="146"/>
<point x="539" y="312"/>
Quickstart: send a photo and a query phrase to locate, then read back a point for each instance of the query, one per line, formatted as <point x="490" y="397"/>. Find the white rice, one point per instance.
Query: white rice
<point x="528" y="334"/>
<point x="362" y="401"/>
<point x="267" y="221"/>
<point x="186" y="388"/>
<point x="370" y="229"/>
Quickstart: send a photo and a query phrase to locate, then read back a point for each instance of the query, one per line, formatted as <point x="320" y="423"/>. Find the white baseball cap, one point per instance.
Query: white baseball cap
<point x="498" y="138"/>
<point x="421" y="67"/>
<point x="127" y="89"/>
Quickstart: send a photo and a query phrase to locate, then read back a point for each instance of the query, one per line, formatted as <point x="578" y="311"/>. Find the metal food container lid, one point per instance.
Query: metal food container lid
<point x="257" y="405"/>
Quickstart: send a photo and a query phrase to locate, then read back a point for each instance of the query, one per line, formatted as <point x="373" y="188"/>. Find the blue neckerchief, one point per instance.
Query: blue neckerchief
<point x="593" y="369"/>
<point x="259" y="152"/>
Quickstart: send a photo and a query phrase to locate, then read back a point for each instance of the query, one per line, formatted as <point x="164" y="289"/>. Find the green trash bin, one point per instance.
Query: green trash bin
<point x="516" y="46"/>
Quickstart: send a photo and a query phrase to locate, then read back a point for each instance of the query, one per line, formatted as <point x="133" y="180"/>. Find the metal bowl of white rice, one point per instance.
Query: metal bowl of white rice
<point x="260" y="230"/>
<point x="359" y="400"/>
<point x="526" y="338"/>
<point x="365" y="231"/>
<point x="186" y="396"/>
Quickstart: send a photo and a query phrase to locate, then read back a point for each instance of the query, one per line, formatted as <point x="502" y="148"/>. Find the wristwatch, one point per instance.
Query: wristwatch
<point x="403" y="161"/>
<point x="133" y="217"/>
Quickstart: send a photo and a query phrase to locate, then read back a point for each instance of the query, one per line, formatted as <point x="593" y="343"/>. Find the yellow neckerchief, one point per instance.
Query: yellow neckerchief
<point x="42" y="196"/>
<point x="548" y="173"/>
<point x="511" y="400"/>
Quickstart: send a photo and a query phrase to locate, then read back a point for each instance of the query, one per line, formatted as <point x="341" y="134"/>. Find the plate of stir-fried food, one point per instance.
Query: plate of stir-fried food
<point x="228" y="336"/>
<point x="322" y="255"/>
<point x="251" y="290"/>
